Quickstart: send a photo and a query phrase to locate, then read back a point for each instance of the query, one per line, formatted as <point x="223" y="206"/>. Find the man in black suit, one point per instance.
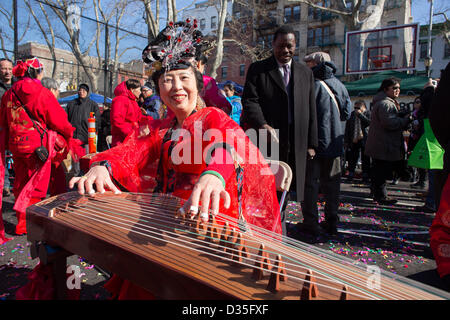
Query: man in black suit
<point x="279" y="95"/>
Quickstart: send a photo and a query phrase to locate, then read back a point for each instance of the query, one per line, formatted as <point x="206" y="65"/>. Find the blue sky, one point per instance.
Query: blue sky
<point x="421" y="10"/>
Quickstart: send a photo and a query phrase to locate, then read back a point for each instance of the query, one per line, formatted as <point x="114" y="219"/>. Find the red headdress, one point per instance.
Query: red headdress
<point x="22" y="66"/>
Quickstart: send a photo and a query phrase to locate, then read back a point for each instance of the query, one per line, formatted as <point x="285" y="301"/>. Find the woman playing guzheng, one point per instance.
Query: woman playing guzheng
<point x="196" y="153"/>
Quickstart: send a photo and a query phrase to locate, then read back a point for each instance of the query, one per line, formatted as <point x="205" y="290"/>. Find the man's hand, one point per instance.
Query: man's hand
<point x="311" y="153"/>
<point x="272" y="132"/>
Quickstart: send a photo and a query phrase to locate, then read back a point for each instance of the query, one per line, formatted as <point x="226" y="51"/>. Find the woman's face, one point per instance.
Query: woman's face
<point x="136" y="92"/>
<point x="228" y="91"/>
<point x="393" y="91"/>
<point x="178" y="90"/>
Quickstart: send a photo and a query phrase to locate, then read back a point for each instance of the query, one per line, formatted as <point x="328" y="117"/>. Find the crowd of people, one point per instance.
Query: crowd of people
<point x="304" y="108"/>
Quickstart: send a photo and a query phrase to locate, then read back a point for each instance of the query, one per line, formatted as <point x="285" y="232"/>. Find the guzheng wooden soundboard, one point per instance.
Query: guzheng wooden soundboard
<point x="141" y="237"/>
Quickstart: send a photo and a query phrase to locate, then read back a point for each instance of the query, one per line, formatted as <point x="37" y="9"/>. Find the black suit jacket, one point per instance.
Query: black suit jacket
<point x="265" y="101"/>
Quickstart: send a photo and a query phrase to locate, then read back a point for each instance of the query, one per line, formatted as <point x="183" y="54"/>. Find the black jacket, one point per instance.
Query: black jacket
<point x="266" y="101"/>
<point x="364" y="117"/>
<point x="439" y="114"/>
<point x="3" y="88"/>
<point x="78" y="112"/>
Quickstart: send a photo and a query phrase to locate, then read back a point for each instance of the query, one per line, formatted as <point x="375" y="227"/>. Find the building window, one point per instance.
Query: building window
<point x="314" y="13"/>
<point x="423" y="46"/>
<point x="297" y="38"/>
<point x="202" y="24"/>
<point x="446" y="51"/>
<point x="265" y="41"/>
<point x="291" y="14"/>
<point x="224" y="72"/>
<point x="319" y="36"/>
<point x="391" y="33"/>
<point x="242" y="70"/>
<point x="213" y="22"/>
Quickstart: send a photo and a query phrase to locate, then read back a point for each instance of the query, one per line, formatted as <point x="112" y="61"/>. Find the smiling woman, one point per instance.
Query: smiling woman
<point x="215" y="173"/>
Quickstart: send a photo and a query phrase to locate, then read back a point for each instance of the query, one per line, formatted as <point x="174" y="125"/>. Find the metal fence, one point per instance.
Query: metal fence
<point x="76" y="42"/>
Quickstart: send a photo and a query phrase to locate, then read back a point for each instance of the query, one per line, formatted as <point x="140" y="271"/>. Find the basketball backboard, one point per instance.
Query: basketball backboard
<point x="388" y="48"/>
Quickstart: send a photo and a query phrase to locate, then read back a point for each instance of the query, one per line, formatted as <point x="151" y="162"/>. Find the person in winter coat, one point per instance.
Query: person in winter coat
<point x="42" y="122"/>
<point x="356" y="130"/>
<point x="152" y="102"/>
<point x="439" y="115"/>
<point x="333" y="107"/>
<point x="235" y="101"/>
<point x="385" y="143"/>
<point x="79" y="111"/>
<point x="125" y="111"/>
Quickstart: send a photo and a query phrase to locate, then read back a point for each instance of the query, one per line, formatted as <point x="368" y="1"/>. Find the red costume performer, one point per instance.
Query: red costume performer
<point x="125" y="114"/>
<point x="143" y="164"/>
<point x="440" y="234"/>
<point x="19" y="135"/>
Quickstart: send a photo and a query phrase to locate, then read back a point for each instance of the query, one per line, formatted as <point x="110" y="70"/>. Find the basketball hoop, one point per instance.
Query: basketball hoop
<point x="378" y="60"/>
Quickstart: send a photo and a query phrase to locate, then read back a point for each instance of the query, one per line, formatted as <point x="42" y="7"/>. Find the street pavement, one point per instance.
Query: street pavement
<point x="394" y="238"/>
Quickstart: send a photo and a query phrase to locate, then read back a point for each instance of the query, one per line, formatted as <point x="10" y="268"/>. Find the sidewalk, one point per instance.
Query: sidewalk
<point x="394" y="238"/>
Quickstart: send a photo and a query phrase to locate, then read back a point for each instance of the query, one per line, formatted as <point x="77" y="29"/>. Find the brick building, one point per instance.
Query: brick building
<point x="69" y="74"/>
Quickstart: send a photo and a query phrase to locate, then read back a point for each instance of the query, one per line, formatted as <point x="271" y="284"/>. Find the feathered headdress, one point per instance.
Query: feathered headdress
<point x="173" y="45"/>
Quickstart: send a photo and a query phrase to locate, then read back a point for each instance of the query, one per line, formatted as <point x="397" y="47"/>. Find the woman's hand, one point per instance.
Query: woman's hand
<point x="97" y="175"/>
<point x="209" y="190"/>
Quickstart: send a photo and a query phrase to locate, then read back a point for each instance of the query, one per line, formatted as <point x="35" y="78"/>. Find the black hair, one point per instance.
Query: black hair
<point x="230" y="86"/>
<point x="285" y="29"/>
<point x="132" y="84"/>
<point x="198" y="76"/>
<point x="388" y="82"/>
<point x="360" y="102"/>
<point x="31" y="72"/>
<point x="202" y="58"/>
<point x="5" y="59"/>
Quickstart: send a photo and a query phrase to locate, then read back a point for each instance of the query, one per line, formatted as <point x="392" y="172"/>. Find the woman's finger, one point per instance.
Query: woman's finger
<point x="226" y="198"/>
<point x="205" y="198"/>
<point x="215" y="202"/>
<point x="192" y="205"/>
<point x="111" y="186"/>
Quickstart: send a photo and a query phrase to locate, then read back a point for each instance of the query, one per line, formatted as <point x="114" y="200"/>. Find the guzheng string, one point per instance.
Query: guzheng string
<point x="160" y="213"/>
<point x="166" y="218"/>
<point x="234" y="222"/>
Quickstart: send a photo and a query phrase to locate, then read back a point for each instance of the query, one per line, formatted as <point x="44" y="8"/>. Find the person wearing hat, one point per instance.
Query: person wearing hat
<point x="30" y="119"/>
<point x="78" y="112"/>
<point x="152" y="102"/>
<point x="316" y="58"/>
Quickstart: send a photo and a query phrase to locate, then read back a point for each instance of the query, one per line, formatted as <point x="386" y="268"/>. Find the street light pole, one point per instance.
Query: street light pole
<point x="430" y="28"/>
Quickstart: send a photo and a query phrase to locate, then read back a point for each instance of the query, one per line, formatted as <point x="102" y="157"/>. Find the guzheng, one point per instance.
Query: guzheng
<point x="141" y="237"/>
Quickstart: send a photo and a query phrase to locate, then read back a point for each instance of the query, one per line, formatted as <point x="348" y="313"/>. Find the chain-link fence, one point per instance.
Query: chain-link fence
<point x="77" y="41"/>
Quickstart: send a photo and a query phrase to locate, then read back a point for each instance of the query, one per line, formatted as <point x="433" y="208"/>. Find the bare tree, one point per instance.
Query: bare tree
<point x="445" y="26"/>
<point x="7" y="30"/>
<point x="353" y="16"/>
<point x="69" y="17"/>
<point x="47" y="32"/>
<point x="222" y="6"/>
